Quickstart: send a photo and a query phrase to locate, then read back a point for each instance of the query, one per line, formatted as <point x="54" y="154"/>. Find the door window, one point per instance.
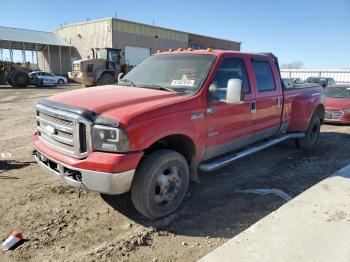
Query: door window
<point x="228" y="69"/>
<point x="114" y="56"/>
<point x="264" y="76"/>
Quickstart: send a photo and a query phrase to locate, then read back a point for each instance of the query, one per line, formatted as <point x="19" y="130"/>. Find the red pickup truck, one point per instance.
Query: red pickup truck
<point x="177" y="113"/>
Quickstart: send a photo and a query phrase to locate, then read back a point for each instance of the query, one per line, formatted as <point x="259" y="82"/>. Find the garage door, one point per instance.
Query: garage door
<point x="135" y="55"/>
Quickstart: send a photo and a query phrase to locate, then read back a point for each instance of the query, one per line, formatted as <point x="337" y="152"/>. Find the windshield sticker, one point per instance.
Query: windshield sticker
<point x="182" y="83"/>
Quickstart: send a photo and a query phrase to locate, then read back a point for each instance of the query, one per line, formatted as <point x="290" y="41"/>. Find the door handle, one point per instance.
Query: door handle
<point x="253" y="107"/>
<point x="278" y="101"/>
<point x="210" y="111"/>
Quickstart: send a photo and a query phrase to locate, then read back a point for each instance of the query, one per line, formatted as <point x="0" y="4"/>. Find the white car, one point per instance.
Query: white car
<point x="49" y="78"/>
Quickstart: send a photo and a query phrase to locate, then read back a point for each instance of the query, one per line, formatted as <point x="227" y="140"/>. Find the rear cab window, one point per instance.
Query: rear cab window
<point x="264" y="76"/>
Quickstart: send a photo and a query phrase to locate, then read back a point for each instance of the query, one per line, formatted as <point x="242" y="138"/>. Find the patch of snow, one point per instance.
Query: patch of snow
<point x="263" y="191"/>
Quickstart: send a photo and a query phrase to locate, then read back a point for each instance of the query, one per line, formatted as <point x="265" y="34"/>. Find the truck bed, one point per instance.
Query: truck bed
<point x="299" y="105"/>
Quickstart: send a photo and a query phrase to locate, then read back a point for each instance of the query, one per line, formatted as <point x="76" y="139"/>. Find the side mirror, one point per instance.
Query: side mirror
<point x="235" y="91"/>
<point x="120" y="75"/>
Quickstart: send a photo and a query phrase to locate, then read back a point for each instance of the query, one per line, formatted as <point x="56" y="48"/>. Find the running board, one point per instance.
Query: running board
<point x="219" y="163"/>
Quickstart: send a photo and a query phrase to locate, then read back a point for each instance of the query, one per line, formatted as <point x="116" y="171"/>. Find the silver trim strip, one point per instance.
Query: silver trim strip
<point x="58" y="138"/>
<point x="56" y="126"/>
<point x="224" y="161"/>
<point x="52" y="145"/>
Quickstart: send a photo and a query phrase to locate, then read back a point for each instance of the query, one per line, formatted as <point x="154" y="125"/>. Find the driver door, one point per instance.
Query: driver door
<point x="229" y="126"/>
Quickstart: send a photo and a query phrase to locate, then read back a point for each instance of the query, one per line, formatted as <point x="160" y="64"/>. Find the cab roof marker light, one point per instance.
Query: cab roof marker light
<point x="190" y="49"/>
<point x="209" y="49"/>
<point x="171" y="50"/>
<point x="180" y="49"/>
<point x="159" y="51"/>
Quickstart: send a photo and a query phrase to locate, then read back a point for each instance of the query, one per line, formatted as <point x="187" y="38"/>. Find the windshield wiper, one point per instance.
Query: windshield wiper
<point x="128" y="81"/>
<point x="159" y="88"/>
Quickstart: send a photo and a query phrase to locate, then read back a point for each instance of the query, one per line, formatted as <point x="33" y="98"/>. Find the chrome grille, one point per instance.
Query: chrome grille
<point x="333" y="114"/>
<point x="64" y="131"/>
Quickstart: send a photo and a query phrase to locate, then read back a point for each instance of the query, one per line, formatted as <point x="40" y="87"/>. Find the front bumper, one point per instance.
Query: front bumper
<point x="102" y="182"/>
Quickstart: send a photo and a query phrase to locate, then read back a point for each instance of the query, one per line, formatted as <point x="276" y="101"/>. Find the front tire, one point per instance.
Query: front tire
<point x="160" y="183"/>
<point x="312" y="134"/>
<point x="60" y="82"/>
<point x="20" y="79"/>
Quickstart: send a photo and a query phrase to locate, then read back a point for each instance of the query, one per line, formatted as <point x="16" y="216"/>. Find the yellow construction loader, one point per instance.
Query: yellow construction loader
<point x="102" y="69"/>
<point x="15" y="74"/>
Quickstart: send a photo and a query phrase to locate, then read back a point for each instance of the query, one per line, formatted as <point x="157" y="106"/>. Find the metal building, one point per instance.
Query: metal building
<point x="137" y="40"/>
<point x="44" y="50"/>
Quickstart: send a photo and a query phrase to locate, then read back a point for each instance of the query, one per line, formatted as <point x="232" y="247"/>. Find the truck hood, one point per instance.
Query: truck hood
<point x="337" y="103"/>
<point x="117" y="102"/>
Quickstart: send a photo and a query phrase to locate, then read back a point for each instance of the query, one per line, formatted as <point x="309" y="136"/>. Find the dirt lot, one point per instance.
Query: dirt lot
<point x="60" y="225"/>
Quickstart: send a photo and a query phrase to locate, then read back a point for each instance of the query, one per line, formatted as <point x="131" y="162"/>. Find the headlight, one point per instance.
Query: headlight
<point x="109" y="139"/>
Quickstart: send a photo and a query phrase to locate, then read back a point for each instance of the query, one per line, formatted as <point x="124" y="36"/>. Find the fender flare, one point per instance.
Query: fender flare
<point x="303" y="108"/>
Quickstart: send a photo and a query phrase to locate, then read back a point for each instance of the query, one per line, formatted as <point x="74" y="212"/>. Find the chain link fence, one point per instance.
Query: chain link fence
<point x="341" y="76"/>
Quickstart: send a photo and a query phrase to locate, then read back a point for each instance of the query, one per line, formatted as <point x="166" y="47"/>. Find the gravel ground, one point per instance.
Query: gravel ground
<point x="61" y="224"/>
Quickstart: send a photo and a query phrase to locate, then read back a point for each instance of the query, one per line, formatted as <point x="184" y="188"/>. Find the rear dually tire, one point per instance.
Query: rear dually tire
<point x="312" y="134"/>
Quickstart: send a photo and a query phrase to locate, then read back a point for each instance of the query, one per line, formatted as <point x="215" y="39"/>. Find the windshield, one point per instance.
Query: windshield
<point x="173" y="72"/>
<point x="101" y="53"/>
<point x="337" y="92"/>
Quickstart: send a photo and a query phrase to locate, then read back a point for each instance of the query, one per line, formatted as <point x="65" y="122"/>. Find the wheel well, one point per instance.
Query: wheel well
<point x="105" y="73"/>
<point x="179" y="143"/>
<point x="319" y="111"/>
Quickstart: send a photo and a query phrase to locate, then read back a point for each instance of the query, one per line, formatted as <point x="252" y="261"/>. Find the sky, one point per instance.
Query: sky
<point x="314" y="32"/>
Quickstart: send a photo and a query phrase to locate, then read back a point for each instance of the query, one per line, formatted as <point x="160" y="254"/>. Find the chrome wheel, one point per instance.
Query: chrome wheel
<point x="160" y="183"/>
<point x="167" y="186"/>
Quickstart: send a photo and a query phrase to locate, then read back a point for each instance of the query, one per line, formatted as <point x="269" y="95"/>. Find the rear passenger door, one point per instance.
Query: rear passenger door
<point x="269" y="99"/>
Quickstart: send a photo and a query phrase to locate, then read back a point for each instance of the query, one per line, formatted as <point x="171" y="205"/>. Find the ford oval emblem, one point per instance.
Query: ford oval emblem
<point x="50" y="130"/>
